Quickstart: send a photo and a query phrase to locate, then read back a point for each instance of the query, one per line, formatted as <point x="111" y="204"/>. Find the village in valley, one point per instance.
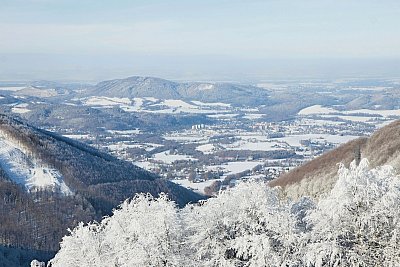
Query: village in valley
<point x="212" y="145"/>
<point x="239" y="145"/>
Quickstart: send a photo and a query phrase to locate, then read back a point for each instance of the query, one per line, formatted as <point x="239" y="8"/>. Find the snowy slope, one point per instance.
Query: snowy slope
<point x="25" y="170"/>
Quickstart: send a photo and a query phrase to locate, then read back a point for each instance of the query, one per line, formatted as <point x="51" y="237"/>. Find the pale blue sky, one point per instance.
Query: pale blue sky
<point x="204" y="39"/>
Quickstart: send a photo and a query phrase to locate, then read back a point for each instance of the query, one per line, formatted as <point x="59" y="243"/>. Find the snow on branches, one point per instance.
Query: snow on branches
<point x="144" y="231"/>
<point x="356" y="224"/>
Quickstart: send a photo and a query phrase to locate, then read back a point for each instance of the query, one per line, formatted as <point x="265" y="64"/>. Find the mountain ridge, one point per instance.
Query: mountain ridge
<point x="35" y="218"/>
<point x="137" y="86"/>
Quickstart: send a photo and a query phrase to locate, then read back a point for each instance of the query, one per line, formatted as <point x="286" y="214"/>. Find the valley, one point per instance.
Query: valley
<point x="74" y="151"/>
<point x="212" y="145"/>
<point x="199" y="133"/>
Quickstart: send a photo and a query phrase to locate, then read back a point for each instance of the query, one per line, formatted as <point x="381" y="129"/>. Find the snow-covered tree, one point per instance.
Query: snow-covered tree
<point x="246" y="226"/>
<point x="144" y="231"/>
<point x="357" y="224"/>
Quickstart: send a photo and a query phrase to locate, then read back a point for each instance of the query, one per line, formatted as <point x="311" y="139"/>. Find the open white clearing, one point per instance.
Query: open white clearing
<point x="316" y="109"/>
<point x="26" y="171"/>
<point x="235" y="166"/>
<point x="20" y="108"/>
<point x="294" y="140"/>
<point x="198" y="187"/>
<point x="207" y="148"/>
<point x="169" y="158"/>
<point x="106" y="101"/>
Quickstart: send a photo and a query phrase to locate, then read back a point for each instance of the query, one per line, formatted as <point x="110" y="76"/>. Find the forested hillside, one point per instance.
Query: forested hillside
<point x="65" y="182"/>
<point x="320" y="174"/>
<point x="136" y="86"/>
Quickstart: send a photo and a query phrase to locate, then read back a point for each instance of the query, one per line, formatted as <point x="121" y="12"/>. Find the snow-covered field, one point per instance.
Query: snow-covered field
<point x="147" y="165"/>
<point x="199" y="187"/>
<point x="217" y="104"/>
<point x="253" y="116"/>
<point x="169" y="158"/>
<point x="154" y="105"/>
<point x="254" y="146"/>
<point x="384" y="113"/>
<point x="106" y="101"/>
<point x="294" y="140"/>
<point x="77" y="136"/>
<point x="316" y="109"/>
<point x="206" y="149"/>
<point x="357" y="115"/>
<point x="235" y="166"/>
<point x="172" y="106"/>
<point x="124" y="132"/>
<point x="20" y="108"/>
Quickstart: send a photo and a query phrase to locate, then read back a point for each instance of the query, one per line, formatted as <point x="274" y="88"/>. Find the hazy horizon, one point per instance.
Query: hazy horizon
<point x="198" y="40"/>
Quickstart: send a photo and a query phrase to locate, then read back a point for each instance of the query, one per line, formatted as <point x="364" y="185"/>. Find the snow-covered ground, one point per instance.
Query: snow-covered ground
<point x="147" y="165"/>
<point x="122" y="146"/>
<point x="254" y="146"/>
<point x="294" y="140"/>
<point x="20" y="108"/>
<point x="253" y="116"/>
<point x="124" y="132"/>
<point x="179" y="106"/>
<point x="216" y="104"/>
<point x="77" y="136"/>
<point x="383" y="112"/>
<point x="12" y="88"/>
<point x="235" y="166"/>
<point x="26" y="171"/>
<point x="154" y="105"/>
<point x="205" y="86"/>
<point x="199" y="187"/>
<point x="316" y="109"/>
<point x="169" y="158"/>
<point x="106" y="101"/>
<point x="206" y="149"/>
<point x="376" y="117"/>
<point x="357" y="115"/>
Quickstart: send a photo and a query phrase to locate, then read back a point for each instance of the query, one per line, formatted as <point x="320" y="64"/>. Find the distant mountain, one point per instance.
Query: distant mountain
<point x="137" y="87"/>
<point x="319" y="175"/>
<point x="163" y="89"/>
<point x="48" y="183"/>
